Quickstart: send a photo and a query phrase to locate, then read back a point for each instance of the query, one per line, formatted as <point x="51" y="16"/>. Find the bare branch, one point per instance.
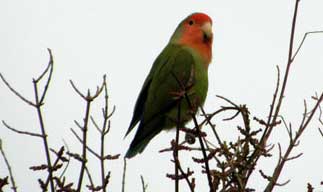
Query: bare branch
<point x="90" y="178"/>
<point x="303" y="40"/>
<point x="144" y="186"/>
<point x="13" y="183"/>
<point x="124" y="174"/>
<point x="39" y="103"/>
<point x="89" y="97"/>
<point x="21" y="132"/>
<point x="293" y="143"/>
<point x="16" y="92"/>
<point x="95" y="124"/>
<point x="294" y="157"/>
<point x="77" y="90"/>
<point x="51" y="67"/>
<point x="78" y="125"/>
<point x="87" y="147"/>
<point x="321" y="132"/>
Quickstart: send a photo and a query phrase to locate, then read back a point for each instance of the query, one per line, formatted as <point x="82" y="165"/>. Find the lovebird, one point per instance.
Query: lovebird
<point x="180" y="70"/>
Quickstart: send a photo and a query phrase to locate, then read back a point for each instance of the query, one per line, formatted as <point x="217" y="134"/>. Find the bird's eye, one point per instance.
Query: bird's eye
<point x="191" y="22"/>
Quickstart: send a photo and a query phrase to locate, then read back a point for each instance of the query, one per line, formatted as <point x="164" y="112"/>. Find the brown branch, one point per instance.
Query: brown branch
<point x="38" y="104"/>
<point x="303" y="40"/>
<point x="198" y="131"/>
<point x="321" y="132"/>
<point x="207" y="167"/>
<point x="59" y="157"/>
<point x="78" y="91"/>
<point x="289" y="63"/>
<point x="124" y="175"/>
<point x="84" y="143"/>
<point x="288" y="128"/>
<point x="51" y="67"/>
<point x="90" y="179"/>
<point x="13" y="183"/>
<point x="21" y="132"/>
<point x="87" y="147"/>
<point x="44" y="135"/>
<point x="239" y="111"/>
<point x="274" y="111"/>
<point x="88" y="98"/>
<point x="175" y="151"/>
<point x="103" y="133"/>
<point x="16" y="92"/>
<point x="50" y="63"/>
<point x="95" y="124"/>
<point x="144" y="186"/>
<point x="291" y="146"/>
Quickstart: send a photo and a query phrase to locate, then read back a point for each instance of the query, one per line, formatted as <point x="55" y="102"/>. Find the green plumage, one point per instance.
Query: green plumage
<point x="157" y="105"/>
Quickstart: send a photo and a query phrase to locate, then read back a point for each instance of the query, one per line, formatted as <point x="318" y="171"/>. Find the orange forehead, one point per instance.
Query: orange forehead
<point x="200" y="18"/>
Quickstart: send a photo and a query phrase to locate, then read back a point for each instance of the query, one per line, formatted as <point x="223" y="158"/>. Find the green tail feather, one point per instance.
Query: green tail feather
<point x="136" y="149"/>
<point x="142" y="138"/>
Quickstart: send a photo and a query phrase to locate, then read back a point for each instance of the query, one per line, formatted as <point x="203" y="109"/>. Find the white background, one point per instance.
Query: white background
<point x="122" y="39"/>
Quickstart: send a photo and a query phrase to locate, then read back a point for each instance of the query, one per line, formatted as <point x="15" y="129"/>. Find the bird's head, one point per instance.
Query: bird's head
<point x="196" y="31"/>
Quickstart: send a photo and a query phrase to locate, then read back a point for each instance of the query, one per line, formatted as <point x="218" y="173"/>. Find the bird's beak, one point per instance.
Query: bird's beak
<point x="207" y="31"/>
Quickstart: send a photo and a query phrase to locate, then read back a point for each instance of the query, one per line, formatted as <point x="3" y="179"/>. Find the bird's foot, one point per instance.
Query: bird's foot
<point x="177" y="94"/>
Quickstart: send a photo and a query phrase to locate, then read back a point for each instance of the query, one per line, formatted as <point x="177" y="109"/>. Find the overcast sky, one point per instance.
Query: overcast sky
<point x="122" y="39"/>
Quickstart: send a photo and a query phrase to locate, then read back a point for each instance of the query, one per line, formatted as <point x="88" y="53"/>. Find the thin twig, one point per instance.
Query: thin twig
<point x="274" y="110"/>
<point x="88" y="148"/>
<point x="90" y="178"/>
<point x="59" y="157"/>
<point x="21" y="132"/>
<point x="321" y="132"/>
<point x="303" y="40"/>
<point x="44" y="135"/>
<point x="103" y="133"/>
<point x="124" y="175"/>
<point x="212" y="127"/>
<point x="289" y="63"/>
<point x="13" y="183"/>
<point x="175" y="153"/>
<point x="88" y="98"/>
<point x="50" y="63"/>
<point x="68" y="163"/>
<point x="77" y="90"/>
<point x="84" y="144"/>
<point x="144" y="186"/>
<point x="291" y="146"/>
<point x="16" y="92"/>
<point x="207" y="167"/>
<point x="51" y="67"/>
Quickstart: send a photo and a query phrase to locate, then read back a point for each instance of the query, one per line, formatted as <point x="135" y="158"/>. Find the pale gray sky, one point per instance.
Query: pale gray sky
<point x="122" y="39"/>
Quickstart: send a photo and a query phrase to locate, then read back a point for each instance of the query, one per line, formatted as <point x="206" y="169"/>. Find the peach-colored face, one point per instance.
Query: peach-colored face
<point x="197" y="33"/>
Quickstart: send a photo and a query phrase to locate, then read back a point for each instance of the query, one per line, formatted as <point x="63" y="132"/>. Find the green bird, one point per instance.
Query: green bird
<point x="180" y="69"/>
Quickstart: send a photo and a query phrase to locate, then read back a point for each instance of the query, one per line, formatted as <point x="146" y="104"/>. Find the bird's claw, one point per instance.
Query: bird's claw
<point x="177" y="94"/>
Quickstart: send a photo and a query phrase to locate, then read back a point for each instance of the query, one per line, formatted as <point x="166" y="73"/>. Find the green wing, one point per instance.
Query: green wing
<point x="171" y="78"/>
<point x="141" y="100"/>
<point x="173" y="68"/>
